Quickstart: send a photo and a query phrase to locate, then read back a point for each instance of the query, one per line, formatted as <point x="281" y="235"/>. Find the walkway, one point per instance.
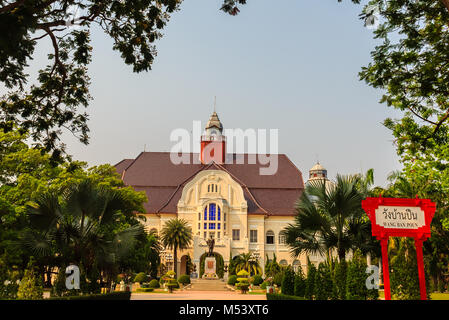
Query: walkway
<point x="197" y="295"/>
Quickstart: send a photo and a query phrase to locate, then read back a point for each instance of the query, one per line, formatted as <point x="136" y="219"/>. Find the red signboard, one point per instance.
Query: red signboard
<point x="397" y="217"/>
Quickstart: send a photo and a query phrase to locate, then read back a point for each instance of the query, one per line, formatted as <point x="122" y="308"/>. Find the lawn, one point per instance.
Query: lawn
<point x="433" y="296"/>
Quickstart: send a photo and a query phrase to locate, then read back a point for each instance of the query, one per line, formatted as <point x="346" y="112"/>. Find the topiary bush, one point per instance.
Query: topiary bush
<point x="340" y="279"/>
<point x="141" y="277"/>
<point x="300" y="283"/>
<point x="232" y="280"/>
<point x="154" y="284"/>
<point x="243" y="283"/>
<point x="184" y="279"/>
<point x="356" y="278"/>
<point x="288" y="282"/>
<point x="310" y="281"/>
<point x="257" y="280"/>
<point x="263" y="285"/>
<point x="323" y="282"/>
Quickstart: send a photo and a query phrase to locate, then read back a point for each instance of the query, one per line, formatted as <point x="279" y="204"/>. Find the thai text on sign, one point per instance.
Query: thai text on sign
<point x="400" y="217"/>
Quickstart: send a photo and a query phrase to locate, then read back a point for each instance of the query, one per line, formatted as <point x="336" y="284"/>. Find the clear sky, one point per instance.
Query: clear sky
<point x="291" y="65"/>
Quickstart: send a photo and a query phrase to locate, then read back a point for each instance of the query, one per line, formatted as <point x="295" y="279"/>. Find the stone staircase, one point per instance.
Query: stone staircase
<point x="208" y="285"/>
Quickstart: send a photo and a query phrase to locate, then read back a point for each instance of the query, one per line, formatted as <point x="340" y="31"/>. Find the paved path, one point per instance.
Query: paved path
<point x="197" y="295"/>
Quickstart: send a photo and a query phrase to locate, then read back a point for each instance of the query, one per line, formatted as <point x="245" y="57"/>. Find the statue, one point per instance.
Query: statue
<point x="210" y="243"/>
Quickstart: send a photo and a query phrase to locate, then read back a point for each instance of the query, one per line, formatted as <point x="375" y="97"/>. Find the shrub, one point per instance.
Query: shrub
<point x="30" y="287"/>
<point x="154" y="284"/>
<point x="356" y="278"/>
<point x="243" y="283"/>
<point x="141" y="277"/>
<point x="184" y="279"/>
<point x="264" y="285"/>
<point x="288" y="282"/>
<point x="310" y="282"/>
<point x="323" y="282"/>
<point x="144" y="290"/>
<point x="107" y="296"/>
<point x="275" y="296"/>
<point x="257" y="280"/>
<point x="232" y="280"/>
<point x="300" y="283"/>
<point x="340" y="279"/>
<point x="172" y="284"/>
<point x="277" y="279"/>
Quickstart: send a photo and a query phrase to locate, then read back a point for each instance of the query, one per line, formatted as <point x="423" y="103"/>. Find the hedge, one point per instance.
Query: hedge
<point x="122" y="295"/>
<point x="276" y="296"/>
<point x="144" y="290"/>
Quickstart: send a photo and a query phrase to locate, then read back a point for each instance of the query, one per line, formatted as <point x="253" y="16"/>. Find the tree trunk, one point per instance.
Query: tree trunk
<point x="175" y="261"/>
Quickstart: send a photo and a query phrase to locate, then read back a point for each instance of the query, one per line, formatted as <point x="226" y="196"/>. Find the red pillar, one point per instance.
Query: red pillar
<point x="385" y="271"/>
<point x="422" y="278"/>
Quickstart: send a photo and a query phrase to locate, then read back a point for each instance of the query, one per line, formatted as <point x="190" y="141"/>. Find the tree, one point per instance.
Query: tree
<point x="329" y="217"/>
<point x="30" y="287"/>
<point x="310" y="282"/>
<point x="323" y="282"/>
<point x="288" y="282"/>
<point x="176" y="235"/>
<point x="91" y="226"/>
<point x="340" y="279"/>
<point x="272" y="267"/>
<point x="300" y="283"/>
<point x="355" y="279"/>
<point x="246" y="261"/>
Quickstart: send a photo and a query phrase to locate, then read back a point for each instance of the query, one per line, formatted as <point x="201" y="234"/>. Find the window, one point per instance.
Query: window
<point x="236" y="234"/>
<point x="205" y="234"/>
<point x="199" y="225"/>
<point x="199" y="216"/>
<point x="252" y="236"/>
<point x="296" y="265"/>
<point x="282" y="238"/>
<point x="270" y="237"/>
<point x="211" y="226"/>
<point x="205" y="213"/>
<point x="218" y="213"/>
<point x="212" y="209"/>
<point x="218" y="234"/>
<point x="218" y="226"/>
<point x="283" y="262"/>
<point x="205" y="225"/>
<point x="211" y="234"/>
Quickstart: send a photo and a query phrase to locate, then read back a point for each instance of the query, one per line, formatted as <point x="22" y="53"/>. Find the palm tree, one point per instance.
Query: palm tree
<point x="246" y="261"/>
<point x="329" y="217"/>
<point x="79" y="227"/>
<point x="176" y="234"/>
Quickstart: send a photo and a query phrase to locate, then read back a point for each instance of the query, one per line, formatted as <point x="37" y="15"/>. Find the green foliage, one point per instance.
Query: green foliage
<point x="246" y="261"/>
<point x="277" y="279"/>
<point x="272" y="267"/>
<point x="144" y="289"/>
<point x="323" y="282"/>
<point x="275" y="296"/>
<point x="310" y="281"/>
<point x="288" y="282"/>
<point x="340" y="279"/>
<point x="232" y="279"/>
<point x="8" y="283"/>
<point x="106" y="296"/>
<point x="176" y="235"/>
<point x="300" y="283"/>
<point x="184" y="279"/>
<point x="141" y="277"/>
<point x="332" y="212"/>
<point x="154" y="284"/>
<point x="257" y="280"/>
<point x="356" y="278"/>
<point x="30" y="287"/>
<point x="404" y="279"/>
<point x="264" y="285"/>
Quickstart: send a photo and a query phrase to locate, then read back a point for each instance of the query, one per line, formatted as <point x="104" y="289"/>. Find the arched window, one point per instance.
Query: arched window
<point x="282" y="238"/>
<point x="212" y="214"/>
<point x="283" y="262"/>
<point x="153" y="231"/>
<point x="270" y="237"/>
<point x="296" y="265"/>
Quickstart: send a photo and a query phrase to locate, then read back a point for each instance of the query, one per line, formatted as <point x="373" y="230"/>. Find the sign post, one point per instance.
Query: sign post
<point x="398" y="217"/>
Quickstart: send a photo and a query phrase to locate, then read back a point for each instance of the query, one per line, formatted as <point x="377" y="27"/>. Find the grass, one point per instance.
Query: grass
<point x="433" y="296"/>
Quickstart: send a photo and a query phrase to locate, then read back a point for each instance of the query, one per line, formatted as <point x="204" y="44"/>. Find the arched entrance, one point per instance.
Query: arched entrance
<point x="219" y="264"/>
<point x="184" y="267"/>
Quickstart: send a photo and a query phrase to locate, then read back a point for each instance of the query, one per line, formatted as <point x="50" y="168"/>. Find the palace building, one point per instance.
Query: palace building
<point x="223" y="196"/>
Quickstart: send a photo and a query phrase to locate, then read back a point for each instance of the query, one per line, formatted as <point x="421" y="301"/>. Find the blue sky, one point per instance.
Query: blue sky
<point x="291" y="65"/>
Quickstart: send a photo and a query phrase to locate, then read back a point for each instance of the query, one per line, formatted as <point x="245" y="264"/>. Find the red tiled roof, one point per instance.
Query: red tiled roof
<point x="162" y="181"/>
